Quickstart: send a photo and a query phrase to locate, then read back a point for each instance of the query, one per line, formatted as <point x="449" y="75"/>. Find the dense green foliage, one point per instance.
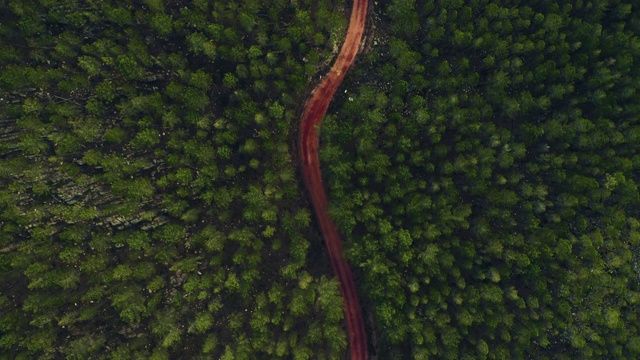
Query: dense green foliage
<point x="484" y="167"/>
<point x="148" y="197"/>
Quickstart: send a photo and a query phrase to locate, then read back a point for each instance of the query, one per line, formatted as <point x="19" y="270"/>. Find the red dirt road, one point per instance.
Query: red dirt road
<point x="310" y="121"/>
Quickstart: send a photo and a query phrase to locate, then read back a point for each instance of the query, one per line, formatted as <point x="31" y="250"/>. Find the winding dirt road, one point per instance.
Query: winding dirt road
<point x="314" y="110"/>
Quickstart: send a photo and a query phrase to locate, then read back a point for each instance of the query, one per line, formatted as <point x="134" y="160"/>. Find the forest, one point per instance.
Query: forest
<point x="481" y="162"/>
<point x="484" y="167"/>
<point x="149" y="202"/>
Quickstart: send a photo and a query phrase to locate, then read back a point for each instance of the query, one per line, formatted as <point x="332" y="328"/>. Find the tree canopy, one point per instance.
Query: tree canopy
<point x="484" y="168"/>
<point x="149" y="206"/>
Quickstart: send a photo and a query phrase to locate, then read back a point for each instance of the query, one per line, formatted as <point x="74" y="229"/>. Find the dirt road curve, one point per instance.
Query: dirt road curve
<point x="311" y="119"/>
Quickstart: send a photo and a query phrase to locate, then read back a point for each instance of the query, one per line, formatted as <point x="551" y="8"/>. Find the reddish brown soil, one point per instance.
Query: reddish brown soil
<point x="314" y="110"/>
